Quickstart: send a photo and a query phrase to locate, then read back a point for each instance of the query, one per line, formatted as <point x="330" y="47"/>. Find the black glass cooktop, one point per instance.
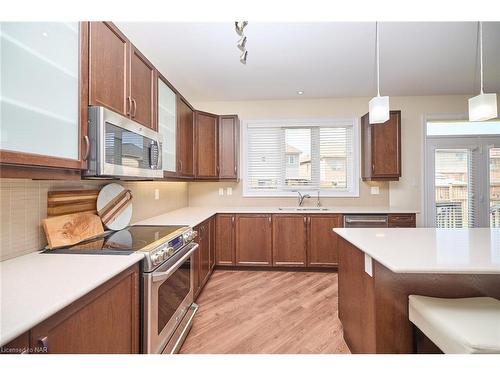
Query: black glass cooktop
<point x="125" y="241"/>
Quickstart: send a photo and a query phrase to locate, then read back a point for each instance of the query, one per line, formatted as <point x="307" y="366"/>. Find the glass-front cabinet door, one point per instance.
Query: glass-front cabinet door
<point x="39" y="89"/>
<point x="167" y="125"/>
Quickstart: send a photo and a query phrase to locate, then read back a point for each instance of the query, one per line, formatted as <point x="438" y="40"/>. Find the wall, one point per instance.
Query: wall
<point x="404" y="194"/>
<point x="23" y="206"/>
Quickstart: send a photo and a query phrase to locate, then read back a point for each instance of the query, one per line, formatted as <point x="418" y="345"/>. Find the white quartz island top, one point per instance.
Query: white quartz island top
<point x="35" y="286"/>
<point x="192" y="216"/>
<point x="429" y="250"/>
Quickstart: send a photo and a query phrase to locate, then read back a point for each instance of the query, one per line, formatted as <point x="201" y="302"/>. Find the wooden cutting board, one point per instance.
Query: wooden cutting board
<point x="71" y="201"/>
<point x="67" y="230"/>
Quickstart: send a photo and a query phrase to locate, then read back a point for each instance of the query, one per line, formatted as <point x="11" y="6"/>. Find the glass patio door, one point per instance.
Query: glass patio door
<point x="494" y="186"/>
<point x="462" y="182"/>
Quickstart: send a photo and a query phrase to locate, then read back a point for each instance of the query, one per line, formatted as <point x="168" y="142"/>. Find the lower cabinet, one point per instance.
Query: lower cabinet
<point x="204" y="258"/>
<point x="278" y="240"/>
<point x="253" y="245"/>
<point x="322" y="249"/>
<point x="105" y="321"/>
<point x="289" y="240"/>
<point x="402" y="221"/>
<point x="20" y="345"/>
<point x="224" y="239"/>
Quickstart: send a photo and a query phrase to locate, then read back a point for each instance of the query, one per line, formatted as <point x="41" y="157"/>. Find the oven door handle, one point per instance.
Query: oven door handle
<point x="160" y="276"/>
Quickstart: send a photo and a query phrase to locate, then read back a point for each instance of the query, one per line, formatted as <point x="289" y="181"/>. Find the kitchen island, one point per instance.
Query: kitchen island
<point x="379" y="268"/>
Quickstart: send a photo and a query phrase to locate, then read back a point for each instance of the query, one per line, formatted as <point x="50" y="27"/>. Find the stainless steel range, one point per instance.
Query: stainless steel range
<point x="167" y="279"/>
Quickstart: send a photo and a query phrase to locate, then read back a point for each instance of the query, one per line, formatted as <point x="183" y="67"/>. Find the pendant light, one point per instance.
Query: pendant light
<point x="379" y="105"/>
<point x="483" y="106"/>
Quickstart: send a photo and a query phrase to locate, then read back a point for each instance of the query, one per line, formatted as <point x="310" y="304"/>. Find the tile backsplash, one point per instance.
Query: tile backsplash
<point x="23" y="206"/>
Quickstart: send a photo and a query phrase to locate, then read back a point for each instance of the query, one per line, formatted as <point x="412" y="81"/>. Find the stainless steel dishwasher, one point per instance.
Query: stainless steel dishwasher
<point x="366" y="221"/>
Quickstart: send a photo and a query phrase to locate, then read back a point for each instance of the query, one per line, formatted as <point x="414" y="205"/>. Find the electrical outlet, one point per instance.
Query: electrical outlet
<point x="221" y="192"/>
<point x="374" y="190"/>
<point x="157" y="194"/>
<point x="229" y="191"/>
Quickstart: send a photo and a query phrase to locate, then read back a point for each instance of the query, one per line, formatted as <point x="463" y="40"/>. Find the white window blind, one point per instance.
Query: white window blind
<point x="283" y="157"/>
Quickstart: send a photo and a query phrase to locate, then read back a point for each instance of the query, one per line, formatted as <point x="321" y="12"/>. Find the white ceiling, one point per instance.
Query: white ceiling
<point x="335" y="59"/>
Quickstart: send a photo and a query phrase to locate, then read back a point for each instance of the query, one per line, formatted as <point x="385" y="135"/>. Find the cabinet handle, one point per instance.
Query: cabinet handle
<point x="232" y="219"/>
<point x="135" y="107"/>
<point x="218" y="169"/>
<point x="129" y="105"/>
<point x="305" y="220"/>
<point x="235" y="169"/>
<point x="180" y="165"/>
<point x="269" y="219"/>
<point x="373" y="167"/>
<point x="44" y="343"/>
<point x="87" y="147"/>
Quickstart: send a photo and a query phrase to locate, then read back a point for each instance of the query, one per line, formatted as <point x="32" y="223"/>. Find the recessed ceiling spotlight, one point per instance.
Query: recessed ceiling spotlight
<point x="45" y="34"/>
<point x="300" y="92"/>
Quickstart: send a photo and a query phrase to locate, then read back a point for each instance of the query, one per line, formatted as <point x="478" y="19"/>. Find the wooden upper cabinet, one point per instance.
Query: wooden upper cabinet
<point x="206" y="145"/>
<point x="121" y="78"/>
<point x="253" y="240"/>
<point x="44" y="105"/>
<point x="381" y="148"/>
<point x="224" y="239"/>
<point x="229" y="137"/>
<point x="185" y="139"/>
<point x="289" y="240"/>
<point x="142" y="89"/>
<point x="323" y="242"/>
<point x="109" y="66"/>
<point x="104" y="321"/>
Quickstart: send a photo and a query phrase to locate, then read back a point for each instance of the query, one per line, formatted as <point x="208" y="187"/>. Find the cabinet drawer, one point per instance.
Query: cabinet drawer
<point x="402" y="220"/>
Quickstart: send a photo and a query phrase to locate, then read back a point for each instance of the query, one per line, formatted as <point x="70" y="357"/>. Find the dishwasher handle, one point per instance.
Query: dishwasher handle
<point x="368" y="221"/>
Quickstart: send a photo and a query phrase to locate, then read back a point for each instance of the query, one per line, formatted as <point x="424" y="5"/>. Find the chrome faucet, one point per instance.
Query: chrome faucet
<point x="318" y="203"/>
<point x="302" y="197"/>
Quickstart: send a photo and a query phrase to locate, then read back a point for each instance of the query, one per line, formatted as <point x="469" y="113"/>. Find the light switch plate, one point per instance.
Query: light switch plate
<point x="375" y="190"/>
<point x="221" y="192"/>
<point x="229" y="191"/>
<point x="368" y="265"/>
<point x="157" y="194"/>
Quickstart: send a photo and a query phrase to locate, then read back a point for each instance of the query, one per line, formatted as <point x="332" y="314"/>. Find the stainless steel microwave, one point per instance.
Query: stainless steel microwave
<point x="121" y="148"/>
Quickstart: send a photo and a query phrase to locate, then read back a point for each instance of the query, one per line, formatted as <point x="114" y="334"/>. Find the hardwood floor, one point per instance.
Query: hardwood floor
<point x="267" y="312"/>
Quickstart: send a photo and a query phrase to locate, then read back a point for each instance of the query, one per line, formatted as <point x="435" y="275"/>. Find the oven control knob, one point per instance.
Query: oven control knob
<point x="170" y="251"/>
<point x="155" y="258"/>
<point x="188" y="236"/>
<point x="192" y="235"/>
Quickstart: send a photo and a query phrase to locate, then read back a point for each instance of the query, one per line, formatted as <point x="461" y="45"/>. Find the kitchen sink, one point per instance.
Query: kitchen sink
<point x="309" y="209"/>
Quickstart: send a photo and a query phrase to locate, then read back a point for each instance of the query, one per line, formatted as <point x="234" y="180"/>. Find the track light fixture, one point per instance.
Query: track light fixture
<point x="241" y="43"/>
<point x="243" y="57"/>
<point x="239" y="26"/>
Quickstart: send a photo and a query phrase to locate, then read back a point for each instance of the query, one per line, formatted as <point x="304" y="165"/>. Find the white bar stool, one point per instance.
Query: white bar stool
<point x="458" y="325"/>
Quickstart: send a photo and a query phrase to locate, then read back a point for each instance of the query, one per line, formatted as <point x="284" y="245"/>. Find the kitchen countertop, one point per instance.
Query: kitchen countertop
<point x="192" y="216"/>
<point x="36" y="286"/>
<point x="429" y="250"/>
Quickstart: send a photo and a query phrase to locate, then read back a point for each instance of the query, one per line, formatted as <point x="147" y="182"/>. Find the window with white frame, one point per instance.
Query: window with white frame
<point x="282" y="157"/>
